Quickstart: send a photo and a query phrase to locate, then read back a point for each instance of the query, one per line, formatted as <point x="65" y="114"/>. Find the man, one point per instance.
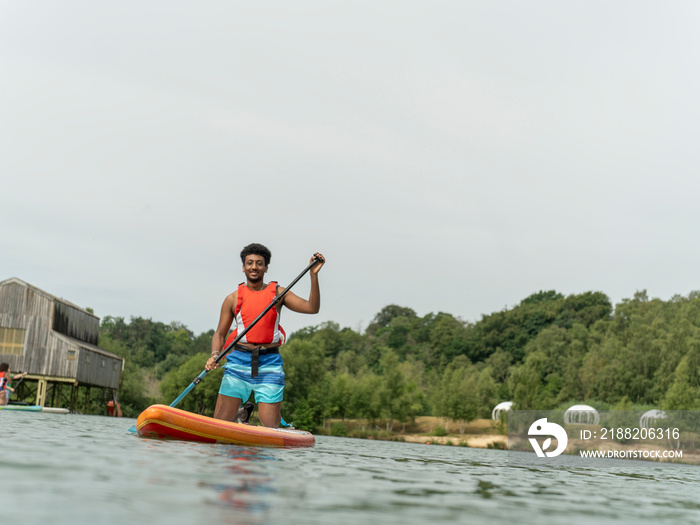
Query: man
<point x="6" y="378"/>
<point x="255" y="365"/>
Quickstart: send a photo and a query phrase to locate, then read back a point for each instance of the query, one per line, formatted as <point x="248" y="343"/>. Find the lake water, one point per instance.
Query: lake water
<point x="88" y="469"/>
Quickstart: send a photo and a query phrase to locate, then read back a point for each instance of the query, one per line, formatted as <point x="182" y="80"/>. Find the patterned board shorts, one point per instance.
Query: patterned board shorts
<point x="268" y="385"/>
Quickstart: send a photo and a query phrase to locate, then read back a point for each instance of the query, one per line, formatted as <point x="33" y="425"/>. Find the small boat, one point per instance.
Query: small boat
<point x="164" y="422"/>
<point x="28" y="408"/>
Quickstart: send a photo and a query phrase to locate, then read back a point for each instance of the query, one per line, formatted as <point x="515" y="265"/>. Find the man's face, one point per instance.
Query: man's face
<point x="254" y="268"/>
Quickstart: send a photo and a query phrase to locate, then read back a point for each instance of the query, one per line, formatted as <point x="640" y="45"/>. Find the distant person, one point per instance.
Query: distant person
<point x="6" y="378"/>
<point x="10" y="383"/>
<point x="255" y="364"/>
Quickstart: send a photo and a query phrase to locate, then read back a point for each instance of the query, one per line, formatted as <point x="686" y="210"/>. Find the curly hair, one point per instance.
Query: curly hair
<point x="4" y="367"/>
<point x="256" y="249"/>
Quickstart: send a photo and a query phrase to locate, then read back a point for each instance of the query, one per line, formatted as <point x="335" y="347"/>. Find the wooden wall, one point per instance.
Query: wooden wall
<point x="99" y="368"/>
<point x="22" y="307"/>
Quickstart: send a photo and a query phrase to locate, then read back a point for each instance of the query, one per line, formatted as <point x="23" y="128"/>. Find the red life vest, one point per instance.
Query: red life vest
<point x="233" y="335"/>
<point x="250" y="304"/>
<point x="3" y="381"/>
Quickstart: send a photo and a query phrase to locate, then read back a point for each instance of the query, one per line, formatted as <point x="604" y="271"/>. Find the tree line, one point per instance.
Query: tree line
<point x="547" y="352"/>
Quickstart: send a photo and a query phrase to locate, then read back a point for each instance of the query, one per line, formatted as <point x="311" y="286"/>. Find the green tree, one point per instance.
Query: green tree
<point x="487" y="393"/>
<point x="457" y="394"/>
<point x="306" y="378"/>
<point x="385" y="316"/>
<point x="364" y="403"/>
<point x="397" y="393"/>
<point x="341" y="388"/>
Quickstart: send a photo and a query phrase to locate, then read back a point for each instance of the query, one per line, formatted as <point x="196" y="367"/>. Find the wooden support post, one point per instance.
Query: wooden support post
<point x="86" y="408"/>
<point x="41" y="392"/>
<point x="54" y="387"/>
<point x="74" y="397"/>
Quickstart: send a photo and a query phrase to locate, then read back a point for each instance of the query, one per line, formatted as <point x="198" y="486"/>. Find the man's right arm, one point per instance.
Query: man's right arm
<point x="225" y="321"/>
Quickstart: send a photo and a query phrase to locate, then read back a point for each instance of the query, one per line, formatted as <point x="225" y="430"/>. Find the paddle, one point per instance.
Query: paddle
<point x="233" y="343"/>
<point x="14" y="388"/>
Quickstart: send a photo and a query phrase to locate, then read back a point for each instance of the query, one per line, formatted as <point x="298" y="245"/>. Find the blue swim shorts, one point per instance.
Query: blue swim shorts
<point x="268" y="385"/>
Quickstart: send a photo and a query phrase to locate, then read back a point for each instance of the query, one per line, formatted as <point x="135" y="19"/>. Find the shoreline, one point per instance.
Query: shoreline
<point x="430" y="430"/>
<point x="480" y="433"/>
<point x="465" y="440"/>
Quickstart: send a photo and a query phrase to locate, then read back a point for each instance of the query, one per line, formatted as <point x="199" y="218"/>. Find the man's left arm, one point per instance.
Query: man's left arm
<point x="312" y="305"/>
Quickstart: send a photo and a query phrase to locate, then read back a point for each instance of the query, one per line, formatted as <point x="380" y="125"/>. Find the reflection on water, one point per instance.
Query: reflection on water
<point x="246" y="482"/>
<point x="84" y="469"/>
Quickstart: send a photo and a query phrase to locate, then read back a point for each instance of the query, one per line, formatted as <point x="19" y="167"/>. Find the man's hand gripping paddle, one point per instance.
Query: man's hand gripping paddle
<point x="226" y="350"/>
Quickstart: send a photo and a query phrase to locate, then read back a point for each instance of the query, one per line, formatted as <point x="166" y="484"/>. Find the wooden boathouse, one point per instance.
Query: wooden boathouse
<point x="55" y="342"/>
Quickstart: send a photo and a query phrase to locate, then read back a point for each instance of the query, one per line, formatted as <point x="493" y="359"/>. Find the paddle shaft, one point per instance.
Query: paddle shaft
<point x="14" y="387"/>
<point x="226" y="350"/>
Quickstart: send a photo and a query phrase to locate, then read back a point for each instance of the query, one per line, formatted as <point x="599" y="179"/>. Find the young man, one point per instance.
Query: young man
<point x="255" y="365"/>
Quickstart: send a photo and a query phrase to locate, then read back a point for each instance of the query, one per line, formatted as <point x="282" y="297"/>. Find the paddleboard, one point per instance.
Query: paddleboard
<point x="28" y="408"/>
<point x="164" y="422"/>
<point x="52" y="410"/>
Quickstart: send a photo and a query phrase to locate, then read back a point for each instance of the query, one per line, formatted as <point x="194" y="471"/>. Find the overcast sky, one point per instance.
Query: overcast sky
<point x="444" y="156"/>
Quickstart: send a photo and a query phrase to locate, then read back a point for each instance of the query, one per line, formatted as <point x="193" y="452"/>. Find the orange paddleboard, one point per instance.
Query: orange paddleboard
<point x="164" y="422"/>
